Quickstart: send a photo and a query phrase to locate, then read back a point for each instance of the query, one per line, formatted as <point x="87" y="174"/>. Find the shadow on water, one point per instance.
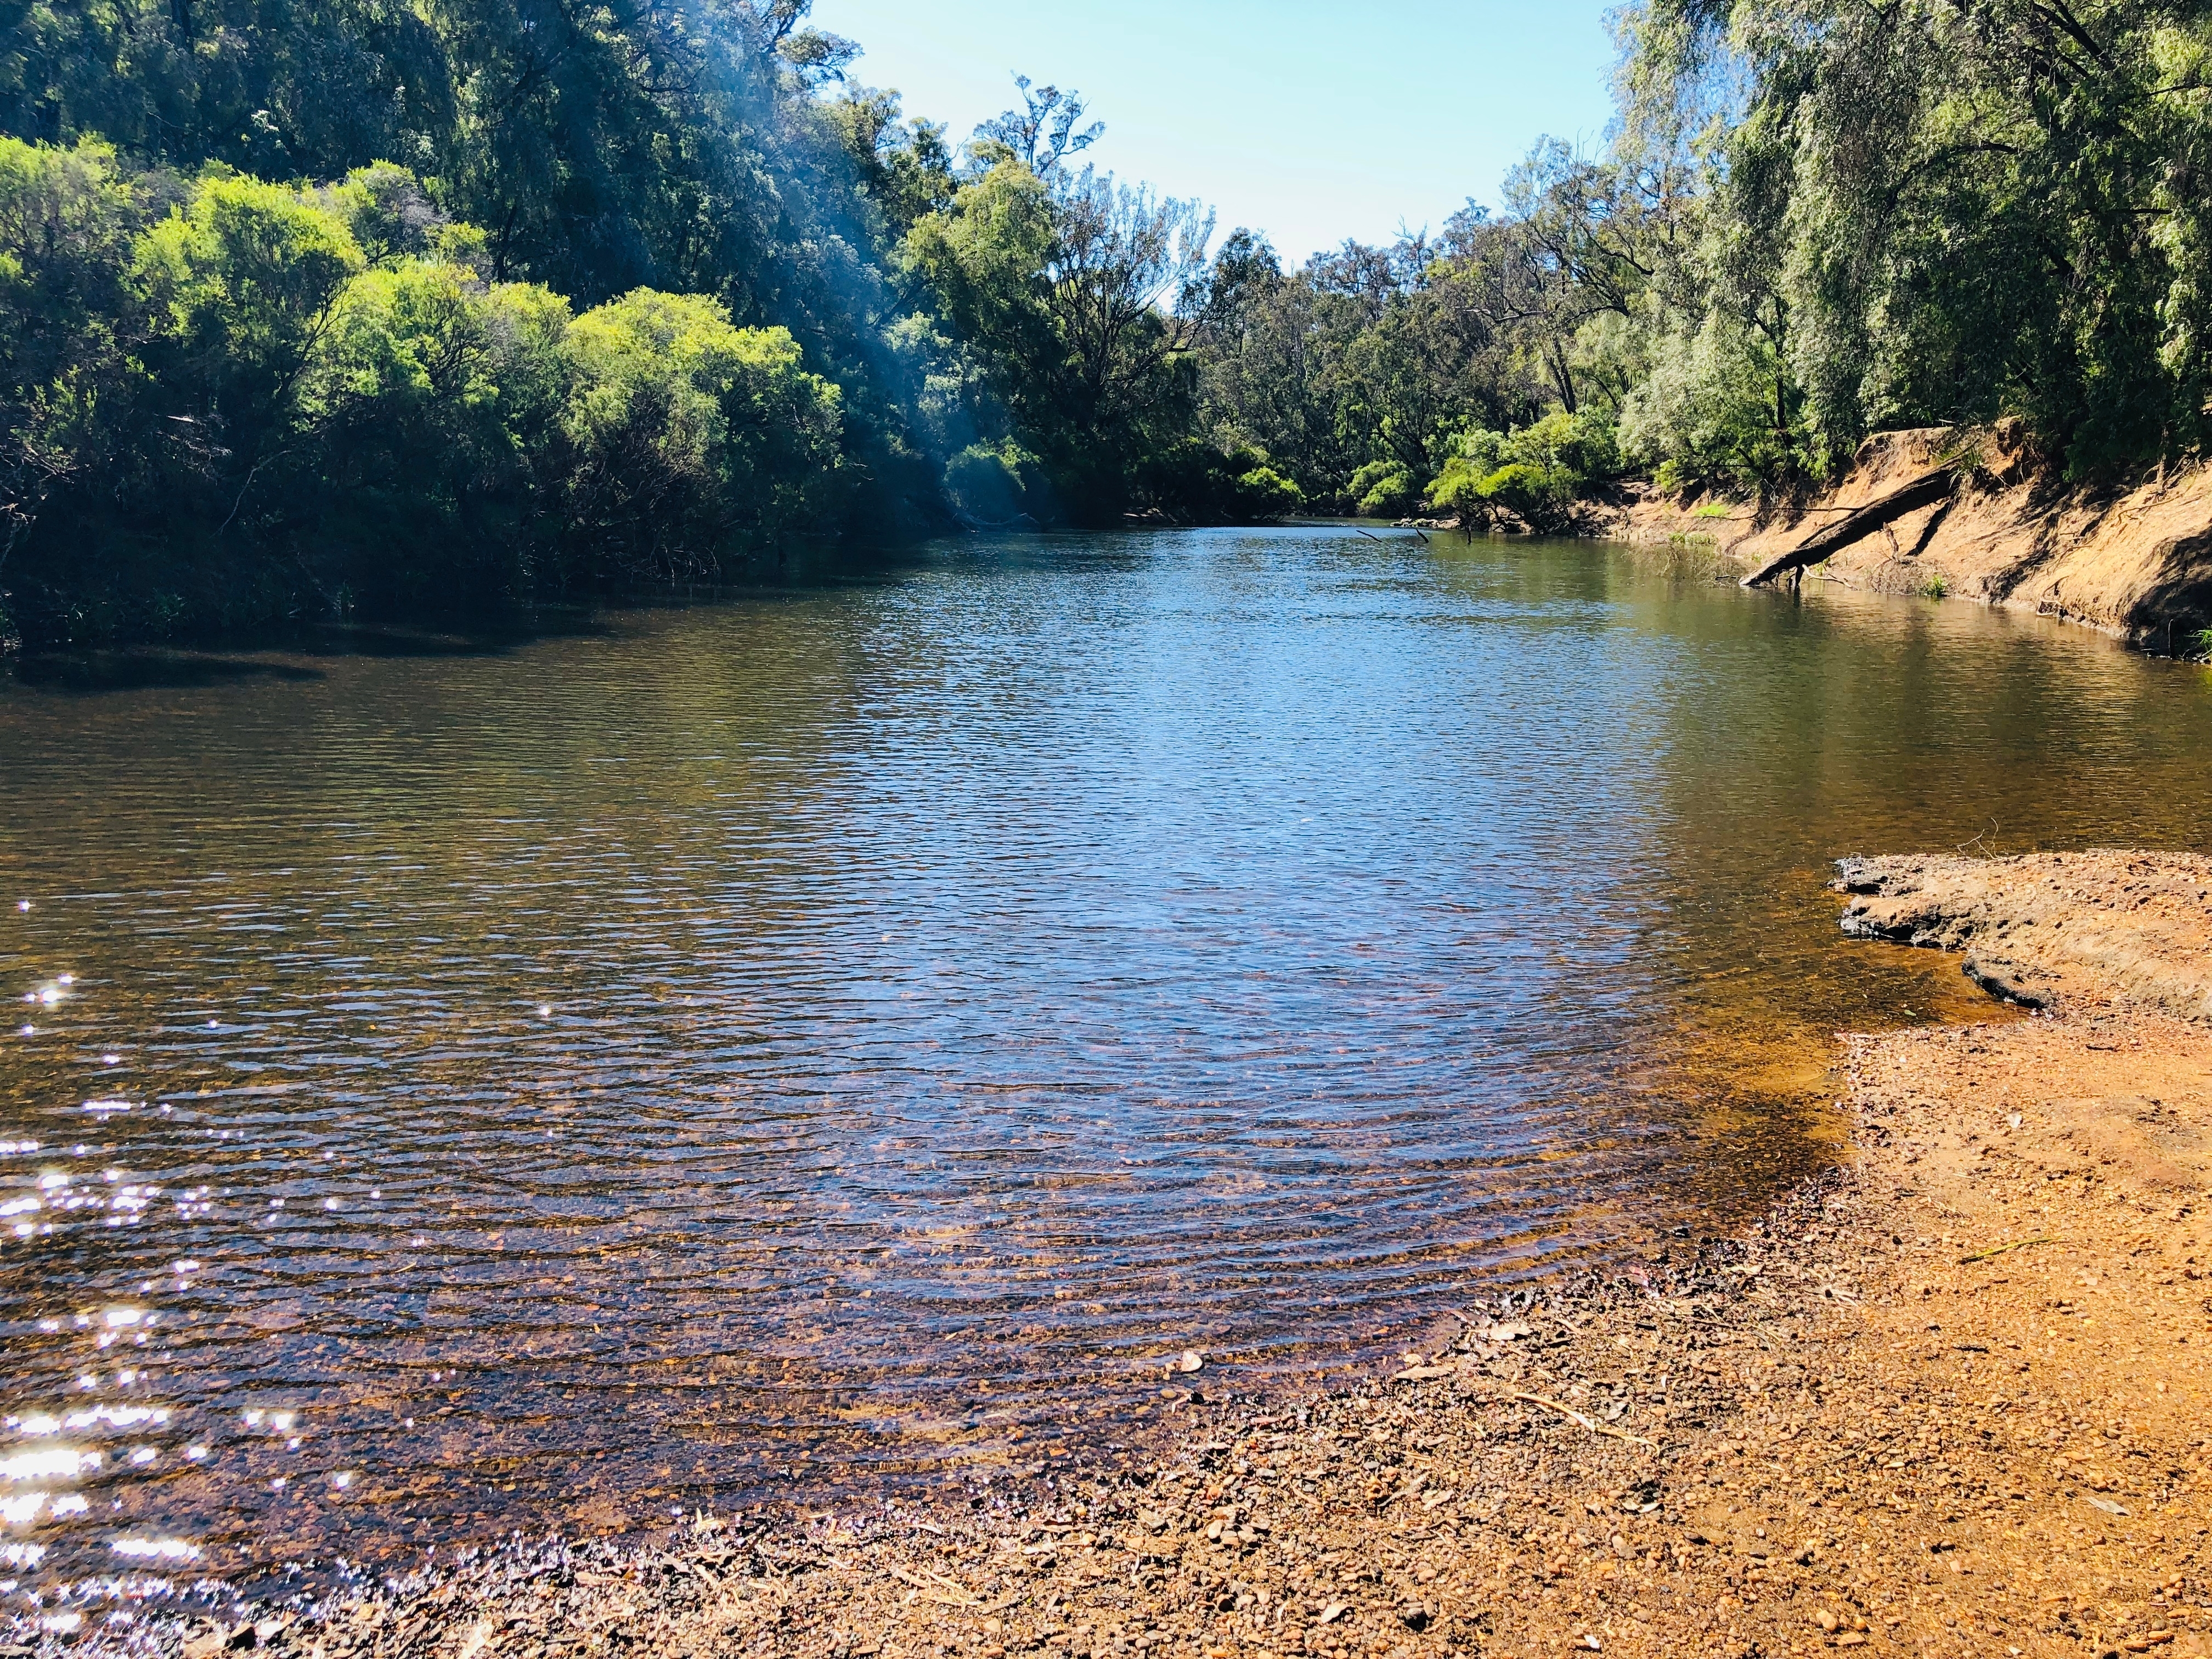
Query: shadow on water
<point x="295" y="654"/>
<point x="809" y="1039"/>
<point x="93" y="672"/>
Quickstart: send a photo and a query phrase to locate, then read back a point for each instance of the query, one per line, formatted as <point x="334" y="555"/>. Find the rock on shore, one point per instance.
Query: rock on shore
<point x="2079" y="927"/>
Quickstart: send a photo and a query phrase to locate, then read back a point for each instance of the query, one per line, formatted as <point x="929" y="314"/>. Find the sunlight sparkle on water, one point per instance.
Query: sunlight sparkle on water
<point x="48" y="1463"/>
<point x="156" y="1549"/>
<point x="117" y="1417"/>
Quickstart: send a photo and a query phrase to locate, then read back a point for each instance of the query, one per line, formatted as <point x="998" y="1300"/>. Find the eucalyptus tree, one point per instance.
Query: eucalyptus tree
<point x="1045" y="131"/>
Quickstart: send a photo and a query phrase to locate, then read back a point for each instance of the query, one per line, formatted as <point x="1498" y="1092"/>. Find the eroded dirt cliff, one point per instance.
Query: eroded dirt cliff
<point x="2134" y="563"/>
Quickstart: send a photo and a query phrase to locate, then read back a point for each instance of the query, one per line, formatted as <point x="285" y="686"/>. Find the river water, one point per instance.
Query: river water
<point x="849" y="1033"/>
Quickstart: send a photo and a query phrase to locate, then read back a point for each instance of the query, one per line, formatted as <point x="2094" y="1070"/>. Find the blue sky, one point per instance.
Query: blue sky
<point x="1311" y="122"/>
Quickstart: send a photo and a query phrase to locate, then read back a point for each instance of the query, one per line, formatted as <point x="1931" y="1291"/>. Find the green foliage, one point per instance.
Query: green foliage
<point x="1534" y="493"/>
<point x="1384" y="490"/>
<point x="1818" y="219"/>
<point x="1932" y="213"/>
<point x="1935" y="587"/>
<point x="65" y="227"/>
<point x="226" y="399"/>
<point x="223" y="414"/>
<point x="1715" y="413"/>
<point x="1063" y="291"/>
<point x="239" y="284"/>
<point x="1534" y="472"/>
<point x="431" y="402"/>
<point x="1264" y="493"/>
<point x="994" y="484"/>
<point x="1582" y="447"/>
<point x="686" y="434"/>
<point x="1192" y="482"/>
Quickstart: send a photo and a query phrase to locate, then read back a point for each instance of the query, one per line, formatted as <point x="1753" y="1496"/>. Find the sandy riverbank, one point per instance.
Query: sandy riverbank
<point x="1950" y="1399"/>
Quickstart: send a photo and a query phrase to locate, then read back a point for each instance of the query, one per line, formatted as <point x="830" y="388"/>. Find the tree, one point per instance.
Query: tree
<point x="1044" y="132"/>
<point x="1081" y="298"/>
<point x="1939" y="212"/>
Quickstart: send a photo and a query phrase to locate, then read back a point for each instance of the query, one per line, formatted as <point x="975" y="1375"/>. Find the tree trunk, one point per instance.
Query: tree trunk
<point x="1861" y="522"/>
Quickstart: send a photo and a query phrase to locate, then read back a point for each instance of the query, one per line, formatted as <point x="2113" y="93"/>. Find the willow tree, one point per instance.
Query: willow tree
<point x="1943" y="210"/>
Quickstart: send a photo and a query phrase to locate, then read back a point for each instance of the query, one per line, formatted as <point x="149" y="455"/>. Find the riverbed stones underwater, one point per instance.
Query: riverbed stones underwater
<point x="1949" y="1398"/>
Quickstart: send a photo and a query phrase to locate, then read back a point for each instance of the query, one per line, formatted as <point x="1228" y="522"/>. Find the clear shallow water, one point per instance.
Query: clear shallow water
<point x="800" y="1041"/>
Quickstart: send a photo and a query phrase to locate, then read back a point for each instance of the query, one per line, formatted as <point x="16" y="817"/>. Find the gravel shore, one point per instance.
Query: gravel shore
<point x="1949" y="1398"/>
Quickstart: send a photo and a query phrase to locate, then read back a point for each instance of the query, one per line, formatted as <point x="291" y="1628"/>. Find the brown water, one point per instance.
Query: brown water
<point x="827" y="1036"/>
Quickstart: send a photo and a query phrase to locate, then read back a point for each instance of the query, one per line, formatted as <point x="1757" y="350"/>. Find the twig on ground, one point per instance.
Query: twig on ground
<point x="959" y="1598"/>
<point x="1589" y="1422"/>
<point x="2017" y="1244"/>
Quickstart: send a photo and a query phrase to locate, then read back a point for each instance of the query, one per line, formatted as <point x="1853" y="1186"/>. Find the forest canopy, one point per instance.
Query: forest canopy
<point x="317" y="309"/>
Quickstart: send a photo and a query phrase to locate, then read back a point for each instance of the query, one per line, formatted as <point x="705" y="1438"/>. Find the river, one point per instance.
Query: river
<point x="837" y="1038"/>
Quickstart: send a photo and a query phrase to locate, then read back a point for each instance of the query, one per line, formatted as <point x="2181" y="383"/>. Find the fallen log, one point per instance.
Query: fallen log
<point x="1923" y="491"/>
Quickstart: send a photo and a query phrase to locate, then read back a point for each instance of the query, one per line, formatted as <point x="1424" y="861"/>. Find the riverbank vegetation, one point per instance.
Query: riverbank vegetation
<point x="362" y="310"/>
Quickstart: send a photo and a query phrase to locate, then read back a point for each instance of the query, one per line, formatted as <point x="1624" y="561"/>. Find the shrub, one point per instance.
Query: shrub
<point x="1264" y="493"/>
<point x="273" y="403"/>
<point x="997" y="485"/>
<point x="240" y="282"/>
<point x="1532" y="472"/>
<point x="66" y="329"/>
<point x="1581" y="445"/>
<point x="1384" y="490"/>
<point x="432" y="401"/>
<point x="688" y="436"/>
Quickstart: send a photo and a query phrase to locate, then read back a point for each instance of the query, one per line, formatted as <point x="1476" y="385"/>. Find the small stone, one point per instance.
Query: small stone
<point x="1826" y="1620"/>
<point x="1332" y="1612"/>
<point x="1192" y="1361"/>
